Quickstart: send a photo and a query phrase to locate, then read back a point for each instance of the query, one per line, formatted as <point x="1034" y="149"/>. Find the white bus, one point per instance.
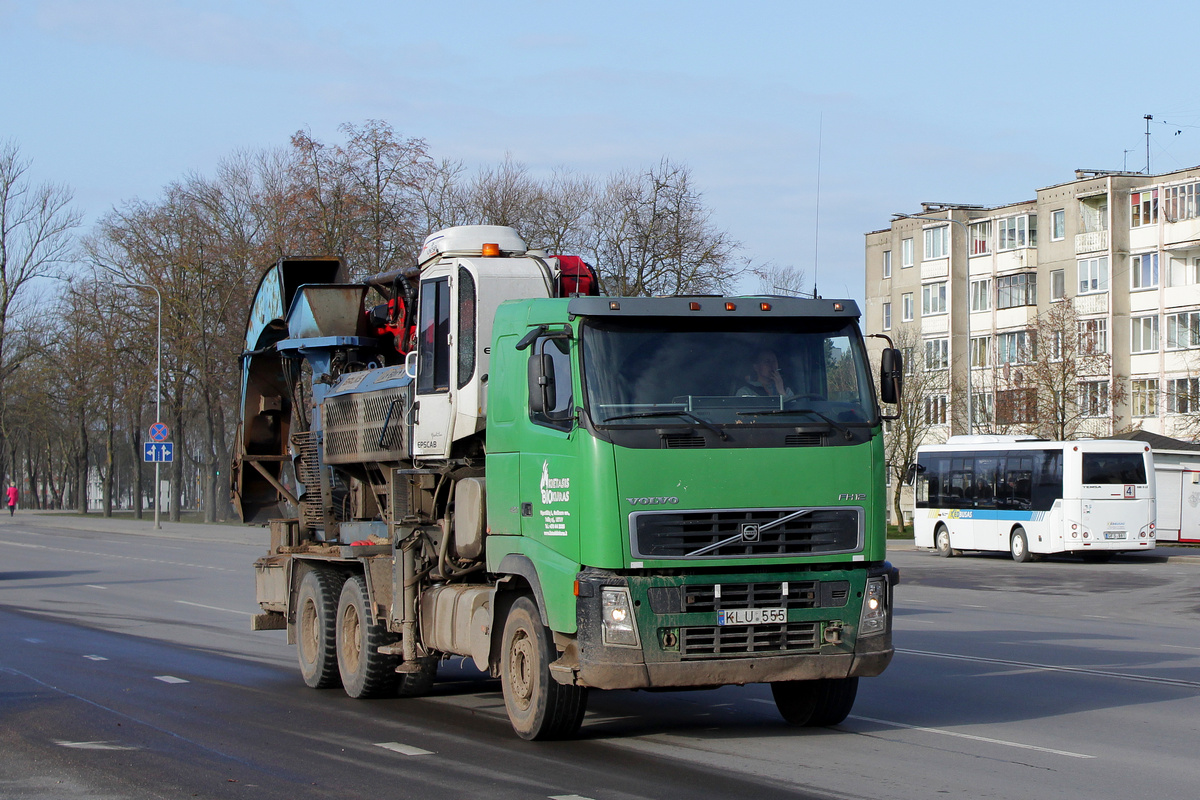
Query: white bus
<point x="1032" y="497"/>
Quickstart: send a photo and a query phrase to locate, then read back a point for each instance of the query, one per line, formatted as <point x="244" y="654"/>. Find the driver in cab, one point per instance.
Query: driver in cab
<point x="765" y="380"/>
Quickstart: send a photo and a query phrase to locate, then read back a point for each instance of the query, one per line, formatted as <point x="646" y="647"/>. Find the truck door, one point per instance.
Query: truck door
<point x="433" y="409"/>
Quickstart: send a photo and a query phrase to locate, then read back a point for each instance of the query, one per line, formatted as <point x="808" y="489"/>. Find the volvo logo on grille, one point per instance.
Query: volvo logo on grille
<point x="750" y="532"/>
<point x="652" y="501"/>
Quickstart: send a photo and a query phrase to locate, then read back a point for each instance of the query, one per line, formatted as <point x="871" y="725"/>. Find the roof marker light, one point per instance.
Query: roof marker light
<point x="491" y="250"/>
<point x="837" y="306"/>
<point x="764" y="306"/>
<point x="694" y="306"/>
<point x="613" y="305"/>
<point x="731" y="306"/>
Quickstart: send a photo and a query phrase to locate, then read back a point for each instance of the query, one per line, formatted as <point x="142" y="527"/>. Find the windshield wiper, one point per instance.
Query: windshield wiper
<point x="669" y="412"/>
<point x="776" y="411"/>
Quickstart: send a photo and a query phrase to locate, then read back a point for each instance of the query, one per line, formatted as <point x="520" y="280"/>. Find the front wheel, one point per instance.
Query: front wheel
<point x="815" y="703"/>
<point x="941" y="541"/>
<point x="1019" y="546"/>
<point x="538" y="706"/>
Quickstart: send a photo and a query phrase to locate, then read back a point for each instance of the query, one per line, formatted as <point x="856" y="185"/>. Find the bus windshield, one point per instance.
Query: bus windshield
<point x="726" y="372"/>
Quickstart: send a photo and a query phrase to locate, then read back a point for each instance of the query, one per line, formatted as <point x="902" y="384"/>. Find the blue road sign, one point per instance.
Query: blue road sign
<point x="159" y="452"/>
<point x="159" y="432"/>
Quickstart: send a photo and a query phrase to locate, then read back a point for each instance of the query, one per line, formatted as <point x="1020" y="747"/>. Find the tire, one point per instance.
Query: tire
<point x="419" y="683"/>
<point x="365" y="671"/>
<point x="316" y="627"/>
<point x="816" y="703"/>
<point x="538" y="706"/>
<point x="941" y="542"/>
<point x="1018" y="546"/>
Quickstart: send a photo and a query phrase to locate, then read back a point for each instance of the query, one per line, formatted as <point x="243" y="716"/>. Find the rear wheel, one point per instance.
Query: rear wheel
<point x="538" y="706"/>
<point x="365" y="671"/>
<point x="1018" y="545"/>
<point x="316" y="627"/>
<point x="815" y="703"/>
<point x="941" y="541"/>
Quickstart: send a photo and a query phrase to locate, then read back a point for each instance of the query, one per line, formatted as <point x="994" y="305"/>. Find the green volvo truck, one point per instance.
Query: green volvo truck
<point x="571" y="490"/>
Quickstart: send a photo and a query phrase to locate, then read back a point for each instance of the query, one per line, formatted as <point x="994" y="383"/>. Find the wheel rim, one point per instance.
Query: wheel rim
<point x="943" y="539"/>
<point x="308" y="631"/>
<point x="520" y="669"/>
<point x="1018" y="545"/>
<point x="351" y="649"/>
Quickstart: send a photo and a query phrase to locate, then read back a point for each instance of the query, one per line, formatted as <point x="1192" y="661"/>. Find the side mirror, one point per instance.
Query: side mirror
<point x="543" y="395"/>
<point x="891" y="376"/>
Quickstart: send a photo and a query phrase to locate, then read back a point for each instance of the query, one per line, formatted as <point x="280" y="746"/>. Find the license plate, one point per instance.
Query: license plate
<point x="752" y="616"/>
<point x="1114" y="534"/>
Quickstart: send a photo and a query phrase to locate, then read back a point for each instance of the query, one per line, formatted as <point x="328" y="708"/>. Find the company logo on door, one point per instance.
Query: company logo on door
<point x="554" y="490"/>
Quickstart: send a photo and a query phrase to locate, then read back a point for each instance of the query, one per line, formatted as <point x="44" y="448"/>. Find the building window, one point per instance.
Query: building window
<point x="981" y="348"/>
<point x="906" y="253"/>
<point x="981" y="238"/>
<point x="1093" y="275"/>
<point x="983" y="407"/>
<point x="1016" y="290"/>
<point x="1058" y="225"/>
<point x="1056" y="345"/>
<point x="937" y="354"/>
<point x="1058" y="284"/>
<point x="1185" y="273"/>
<point x="1143" y="270"/>
<point x="1183" y="330"/>
<point x="1093" y="398"/>
<point x="937" y="242"/>
<point x="1144" y="338"/>
<point x="1015" y="347"/>
<point x="981" y="295"/>
<point x="887" y="316"/>
<point x="1183" y="396"/>
<point x="887" y="263"/>
<point x="1093" y="337"/>
<point x="1143" y="208"/>
<point x="1016" y="232"/>
<point x="1145" y="397"/>
<point x="935" y="409"/>
<point x="1182" y="202"/>
<point x="906" y="307"/>
<point x="933" y="299"/>
<point x="909" y="359"/>
<point x="1016" y="406"/>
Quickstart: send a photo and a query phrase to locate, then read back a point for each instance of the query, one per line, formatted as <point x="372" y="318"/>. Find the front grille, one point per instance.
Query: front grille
<point x="744" y="640"/>
<point x="803" y="440"/>
<point x="800" y="594"/>
<point x="745" y="533"/>
<point x="354" y="423"/>
<point x="684" y="440"/>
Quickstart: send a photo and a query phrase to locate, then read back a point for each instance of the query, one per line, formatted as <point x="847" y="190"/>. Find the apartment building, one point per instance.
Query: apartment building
<point x="1080" y="307"/>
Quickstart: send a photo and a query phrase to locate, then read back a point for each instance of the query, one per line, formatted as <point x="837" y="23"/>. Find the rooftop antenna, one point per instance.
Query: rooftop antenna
<point x="1125" y="163"/>
<point x="817" y="222"/>
<point x="1148" y="117"/>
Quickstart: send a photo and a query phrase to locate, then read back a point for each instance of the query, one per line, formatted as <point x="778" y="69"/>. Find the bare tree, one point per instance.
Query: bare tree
<point x="780" y="279"/>
<point x="922" y="413"/>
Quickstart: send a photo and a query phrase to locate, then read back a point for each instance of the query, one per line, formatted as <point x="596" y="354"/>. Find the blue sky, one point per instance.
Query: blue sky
<point x="946" y="102"/>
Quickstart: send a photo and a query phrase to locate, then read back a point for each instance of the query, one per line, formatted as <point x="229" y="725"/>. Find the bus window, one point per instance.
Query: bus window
<point x="1048" y="485"/>
<point x="986" y="470"/>
<point x="1110" y="468"/>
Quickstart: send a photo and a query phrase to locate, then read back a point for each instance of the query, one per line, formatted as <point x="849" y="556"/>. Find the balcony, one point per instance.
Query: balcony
<point x="1091" y="303"/>
<point x="1091" y="242"/>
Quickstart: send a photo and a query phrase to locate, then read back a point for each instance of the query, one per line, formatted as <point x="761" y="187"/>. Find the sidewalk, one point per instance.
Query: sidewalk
<point x="70" y="520"/>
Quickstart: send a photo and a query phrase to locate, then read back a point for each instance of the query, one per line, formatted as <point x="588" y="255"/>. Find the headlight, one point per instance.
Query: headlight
<point x="616" y="612"/>
<point x="874" y="610"/>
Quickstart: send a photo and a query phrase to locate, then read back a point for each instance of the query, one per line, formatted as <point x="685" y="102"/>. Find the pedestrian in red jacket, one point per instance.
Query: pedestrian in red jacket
<point x="12" y="500"/>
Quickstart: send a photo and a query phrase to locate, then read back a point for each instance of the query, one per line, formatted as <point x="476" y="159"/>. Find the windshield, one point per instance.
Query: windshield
<point x="725" y="372"/>
<point x="1113" y="468"/>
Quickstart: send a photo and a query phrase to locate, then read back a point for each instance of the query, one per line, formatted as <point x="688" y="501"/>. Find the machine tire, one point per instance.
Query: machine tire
<point x="365" y="671"/>
<point x="815" y="703"/>
<point x="1018" y="546"/>
<point x="420" y="683"/>
<point x="316" y="627"/>
<point x="538" y="706"/>
<point x="941" y="542"/>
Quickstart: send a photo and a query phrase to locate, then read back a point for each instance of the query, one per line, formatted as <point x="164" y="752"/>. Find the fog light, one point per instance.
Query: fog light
<point x="616" y="612"/>
<point x="874" y="611"/>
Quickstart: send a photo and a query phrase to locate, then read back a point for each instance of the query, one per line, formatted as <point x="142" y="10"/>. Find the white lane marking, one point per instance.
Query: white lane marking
<point x="35" y="641"/>
<point x="1181" y="647"/>
<point x="96" y="658"/>
<point x="1099" y="673"/>
<point x="216" y="608"/>
<point x="93" y="746"/>
<point x="568" y="797"/>
<point x="404" y="749"/>
<point x="122" y="558"/>
<point x="984" y="739"/>
<point x="169" y="679"/>
<point x="94" y="586"/>
<point x="760" y="700"/>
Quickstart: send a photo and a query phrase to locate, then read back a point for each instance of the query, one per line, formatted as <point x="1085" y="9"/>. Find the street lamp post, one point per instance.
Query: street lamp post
<point x="157" y="400"/>
<point x="967" y="248"/>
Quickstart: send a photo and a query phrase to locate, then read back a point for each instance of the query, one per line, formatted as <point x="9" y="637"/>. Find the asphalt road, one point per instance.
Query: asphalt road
<point x="127" y="669"/>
